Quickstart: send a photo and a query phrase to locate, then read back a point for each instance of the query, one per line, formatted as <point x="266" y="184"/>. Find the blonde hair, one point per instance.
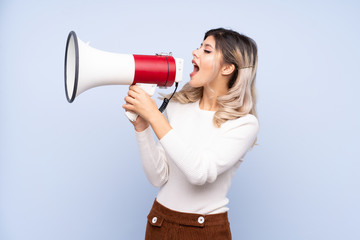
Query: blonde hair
<point x="241" y="51"/>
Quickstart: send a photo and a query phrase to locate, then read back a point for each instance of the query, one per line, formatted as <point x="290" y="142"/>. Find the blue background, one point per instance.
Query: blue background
<point x="72" y="171"/>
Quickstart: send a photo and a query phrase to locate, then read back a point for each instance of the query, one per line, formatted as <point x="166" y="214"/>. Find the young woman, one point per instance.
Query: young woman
<point x="207" y="129"/>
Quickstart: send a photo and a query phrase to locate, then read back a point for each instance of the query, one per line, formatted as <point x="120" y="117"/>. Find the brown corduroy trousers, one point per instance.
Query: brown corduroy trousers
<point x="166" y="224"/>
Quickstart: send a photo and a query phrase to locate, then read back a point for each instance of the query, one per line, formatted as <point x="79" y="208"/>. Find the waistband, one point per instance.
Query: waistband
<point x="159" y="213"/>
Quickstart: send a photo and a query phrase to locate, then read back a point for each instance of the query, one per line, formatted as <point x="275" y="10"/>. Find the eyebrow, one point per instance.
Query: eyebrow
<point x="207" y="45"/>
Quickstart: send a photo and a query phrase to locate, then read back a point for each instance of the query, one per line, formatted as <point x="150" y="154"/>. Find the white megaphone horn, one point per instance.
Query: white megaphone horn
<point x="87" y="67"/>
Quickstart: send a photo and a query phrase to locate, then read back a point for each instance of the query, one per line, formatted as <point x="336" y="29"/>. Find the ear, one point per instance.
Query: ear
<point x="227" y="69"/>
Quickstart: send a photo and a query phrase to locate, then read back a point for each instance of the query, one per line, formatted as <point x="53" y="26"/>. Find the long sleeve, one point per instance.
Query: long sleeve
<point x="153" y="158"/>
<point x="201" y="165"/>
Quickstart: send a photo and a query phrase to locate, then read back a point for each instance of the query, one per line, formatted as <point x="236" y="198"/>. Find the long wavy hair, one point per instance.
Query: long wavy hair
<point x="240" y="100"/>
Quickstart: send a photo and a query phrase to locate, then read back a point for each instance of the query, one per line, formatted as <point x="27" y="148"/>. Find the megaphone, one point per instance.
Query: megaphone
<point x="87" y="67"/>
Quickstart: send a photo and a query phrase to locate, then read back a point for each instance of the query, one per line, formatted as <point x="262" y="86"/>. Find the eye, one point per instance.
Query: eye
<point x="207" y="51"/>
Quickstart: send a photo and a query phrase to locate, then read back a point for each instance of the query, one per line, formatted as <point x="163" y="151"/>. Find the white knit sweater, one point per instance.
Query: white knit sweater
<point x="194" y="163"/>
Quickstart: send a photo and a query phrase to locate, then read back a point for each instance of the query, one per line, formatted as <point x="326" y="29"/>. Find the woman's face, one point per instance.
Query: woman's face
<point x="206" y="61"/>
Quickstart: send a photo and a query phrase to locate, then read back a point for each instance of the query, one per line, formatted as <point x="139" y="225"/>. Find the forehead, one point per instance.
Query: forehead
<point x="209" y="41"/>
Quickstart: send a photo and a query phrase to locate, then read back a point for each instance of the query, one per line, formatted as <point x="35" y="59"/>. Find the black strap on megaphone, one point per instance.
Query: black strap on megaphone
<point x="166" y="101"/>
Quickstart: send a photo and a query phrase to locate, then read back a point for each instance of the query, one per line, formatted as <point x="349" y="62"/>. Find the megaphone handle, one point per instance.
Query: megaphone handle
<point x="131" y="116"/>
<point x="149" y="89"/>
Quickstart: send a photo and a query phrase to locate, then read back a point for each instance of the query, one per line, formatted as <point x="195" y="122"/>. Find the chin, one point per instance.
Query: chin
<point x="194" y="84"/>
<point x="191" y="83"/>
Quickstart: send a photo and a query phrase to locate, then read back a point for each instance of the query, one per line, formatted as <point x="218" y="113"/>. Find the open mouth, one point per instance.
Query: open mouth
<point x="196" y="69"/>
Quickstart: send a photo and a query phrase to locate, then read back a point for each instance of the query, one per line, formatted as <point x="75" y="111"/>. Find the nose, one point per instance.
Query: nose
<point x="195" y="53"/>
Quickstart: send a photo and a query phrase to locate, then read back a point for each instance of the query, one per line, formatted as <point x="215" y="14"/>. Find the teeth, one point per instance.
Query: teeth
<point x="196" y="67"/>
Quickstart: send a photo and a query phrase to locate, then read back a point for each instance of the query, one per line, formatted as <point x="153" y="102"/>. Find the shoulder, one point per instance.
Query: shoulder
<point x="178" y="105"/>
<point x="247" y="123"/>
<point x="176" y="108"/>
<point x="247" y="119"/>
<point x="175" y="105"/>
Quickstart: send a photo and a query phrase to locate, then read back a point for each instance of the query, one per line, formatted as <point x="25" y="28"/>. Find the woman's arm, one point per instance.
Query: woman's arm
<point x="153" y="158"/>
<point x="152" y="155"/>
<point x="201" y="165"/>
<point x="198" y="165"/>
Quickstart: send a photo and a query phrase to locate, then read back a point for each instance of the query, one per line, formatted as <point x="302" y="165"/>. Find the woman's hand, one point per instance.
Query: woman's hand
<point x="140" y="124"/>
<point x="140" y="102"/>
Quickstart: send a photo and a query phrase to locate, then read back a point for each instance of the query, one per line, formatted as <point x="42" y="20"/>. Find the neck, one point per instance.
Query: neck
<point x="208" y="104"/>
<point x="208" y="100"/>
<point x="212" y="91"/>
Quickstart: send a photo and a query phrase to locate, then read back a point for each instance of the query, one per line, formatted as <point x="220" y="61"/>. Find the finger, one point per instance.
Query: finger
<point x="133" y="87"/>
<point x="129" y="100"/>
<point x="136" y="89"/>
<point x="128" y="107"/>
<point x="132" y="93"/>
